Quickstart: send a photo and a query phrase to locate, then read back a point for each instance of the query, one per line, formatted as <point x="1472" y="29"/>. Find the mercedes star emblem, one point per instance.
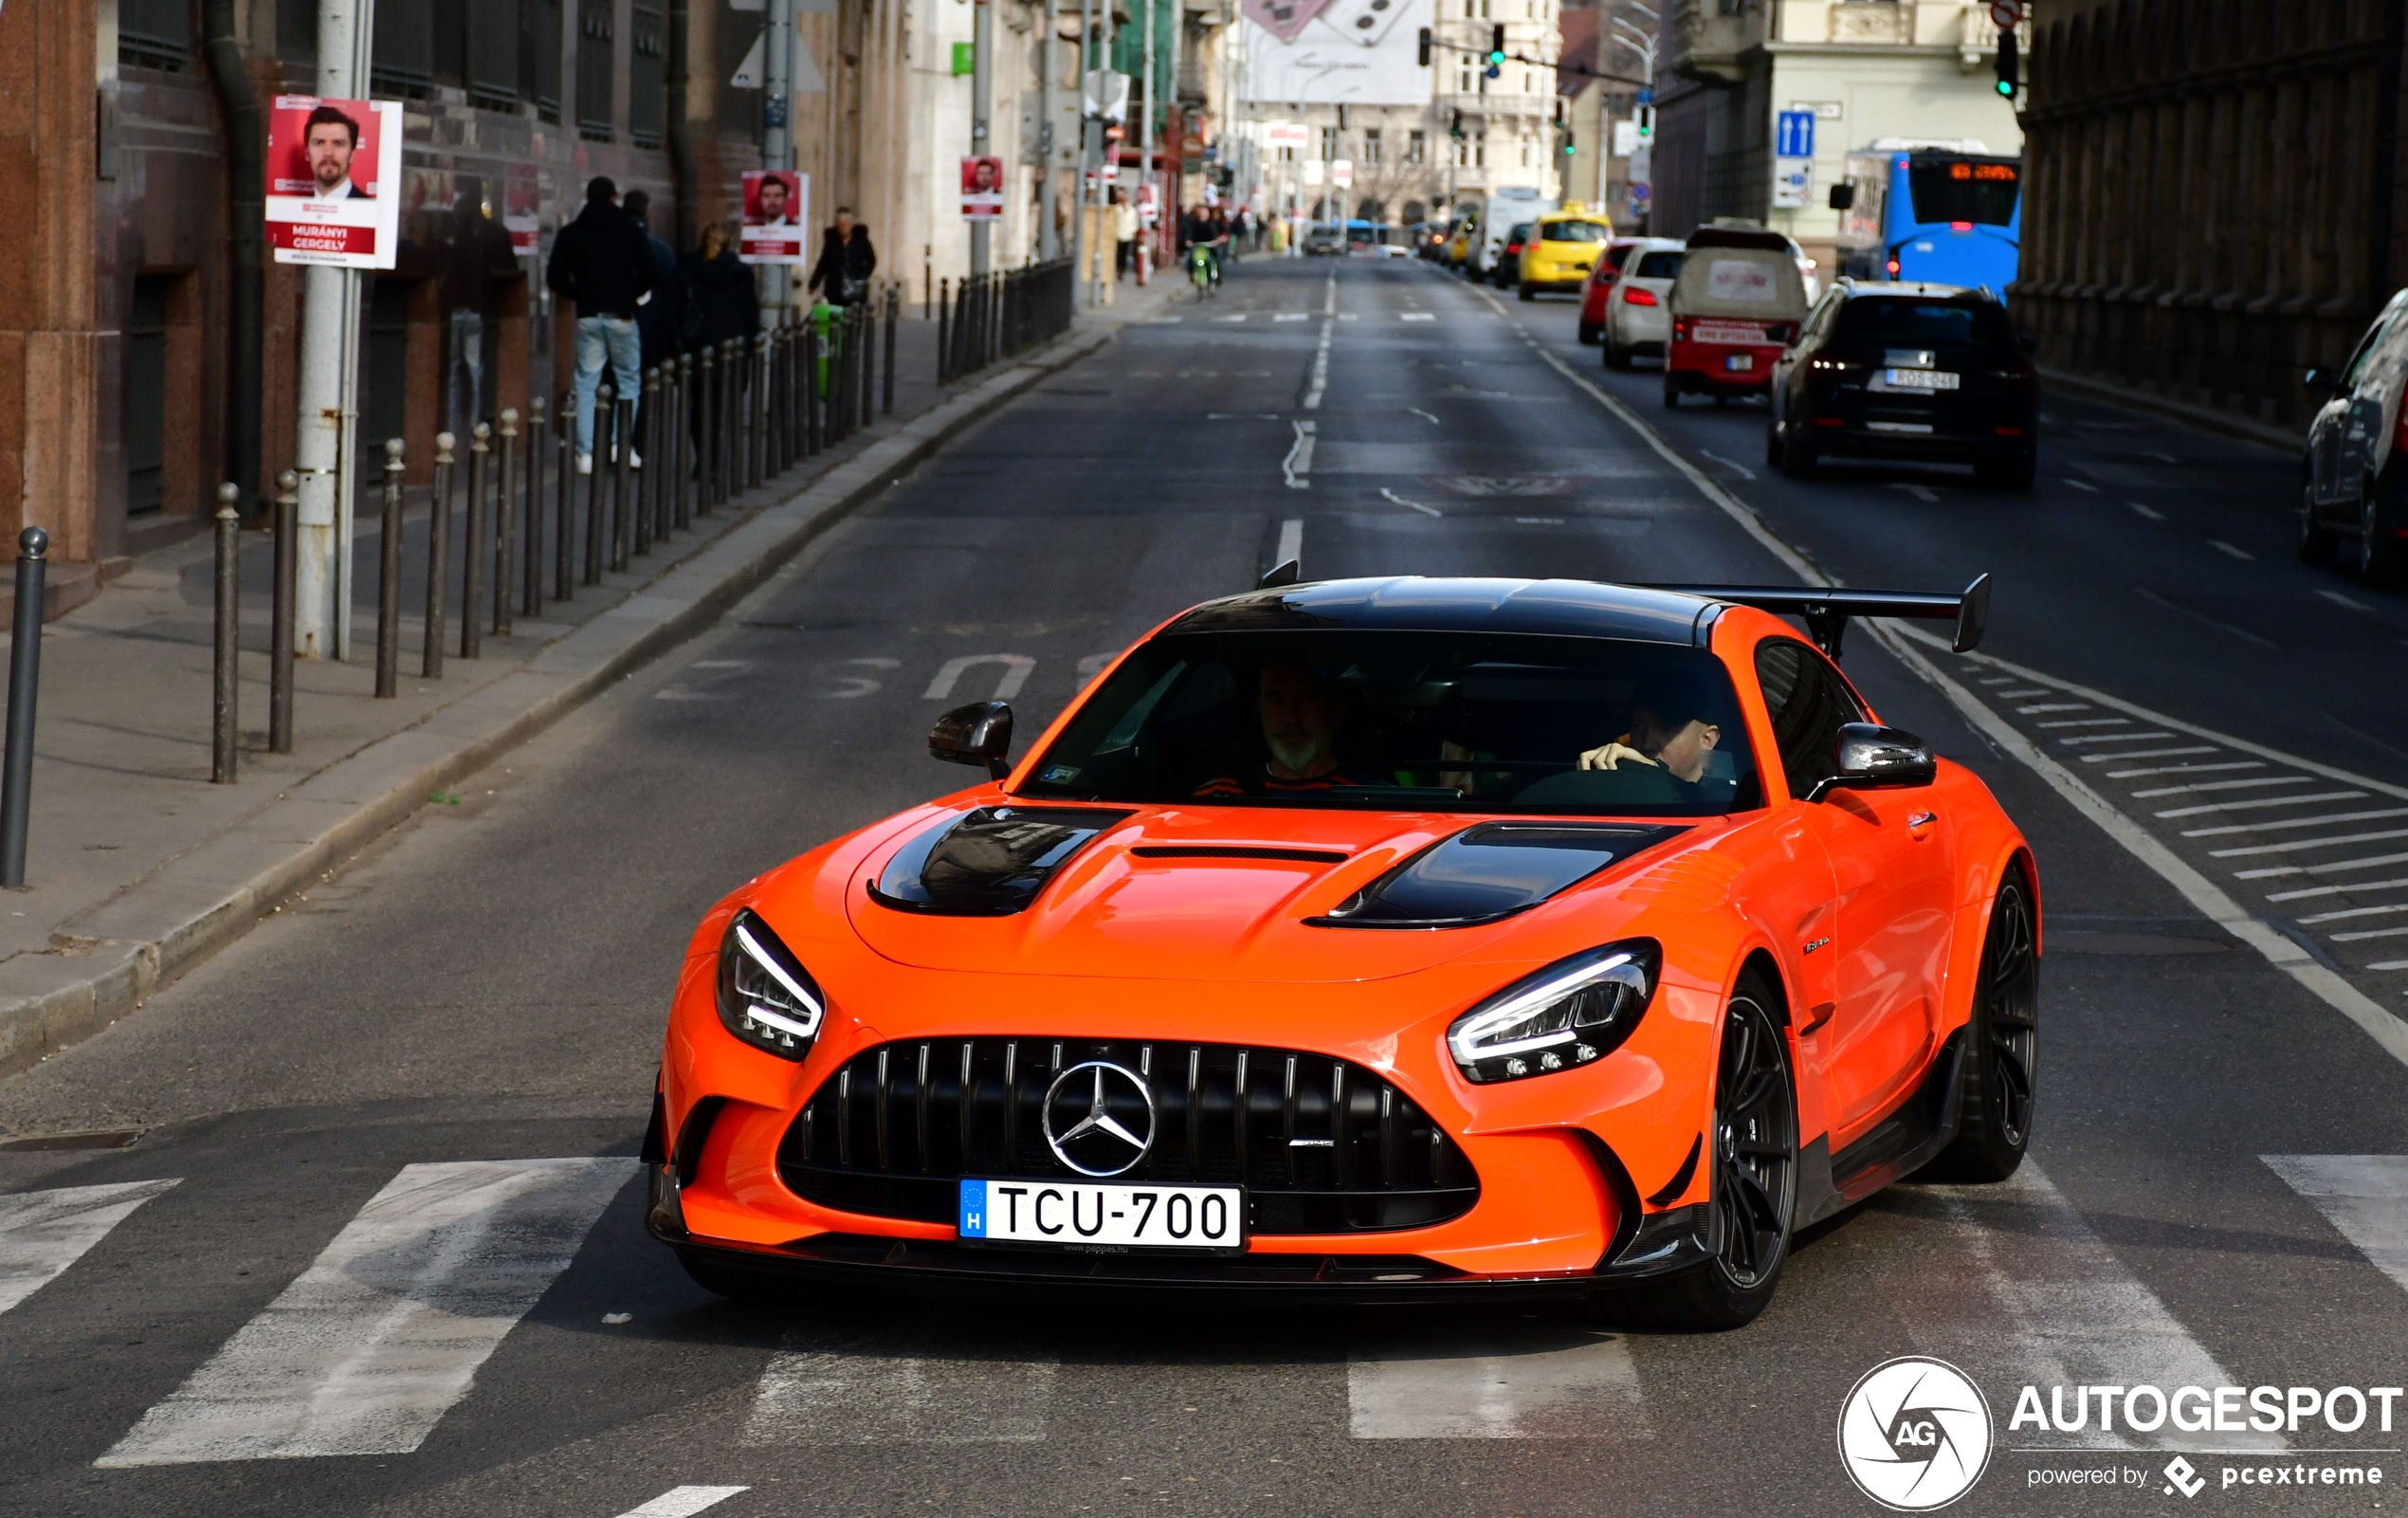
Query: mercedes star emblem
<point x="1106" y="1100"/>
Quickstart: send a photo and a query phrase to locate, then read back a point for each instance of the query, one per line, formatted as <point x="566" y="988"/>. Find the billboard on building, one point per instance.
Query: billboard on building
<point x="776" y="209"/>
<point x="1350" y="52"/>
<point x="334" y="181"/>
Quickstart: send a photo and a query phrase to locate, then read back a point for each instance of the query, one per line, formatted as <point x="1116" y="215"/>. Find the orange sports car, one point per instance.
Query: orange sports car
<point x="1402" y="939"/>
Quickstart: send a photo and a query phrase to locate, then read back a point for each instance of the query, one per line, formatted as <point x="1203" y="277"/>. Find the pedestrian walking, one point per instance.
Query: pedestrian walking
<point x="846" y="262"/>
<point x="601" y="264"/>
<point x="720" y="302"/>
<point x="660" y="321"/>
<point x="1123" y="235"/>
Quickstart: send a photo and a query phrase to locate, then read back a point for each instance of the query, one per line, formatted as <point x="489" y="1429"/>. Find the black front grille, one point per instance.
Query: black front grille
<point x="1322" y="1146"/>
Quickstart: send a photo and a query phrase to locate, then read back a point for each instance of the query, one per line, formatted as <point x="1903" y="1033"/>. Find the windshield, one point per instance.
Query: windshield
<point x="1897" y="324"/>
<point x="1409" y="720"/>
<point x="1571" y="231"/>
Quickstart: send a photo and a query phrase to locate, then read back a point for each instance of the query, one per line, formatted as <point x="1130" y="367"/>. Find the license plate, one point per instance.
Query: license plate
<point x="1916" y="428"/>
<point x="1919" y="379"/>
<point x="1103" y="1215"/>
<point x="1727" y="332"/>
<point x="1739" y="361"/>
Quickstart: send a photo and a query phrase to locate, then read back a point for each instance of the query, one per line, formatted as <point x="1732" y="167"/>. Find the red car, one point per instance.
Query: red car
<point x="1600" y="288"/>
<point x="1739" y="302"/>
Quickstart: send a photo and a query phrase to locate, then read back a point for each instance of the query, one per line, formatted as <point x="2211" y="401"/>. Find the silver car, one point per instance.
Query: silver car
<point x="1639" y="316"/>
<point x="2354" y="478"/>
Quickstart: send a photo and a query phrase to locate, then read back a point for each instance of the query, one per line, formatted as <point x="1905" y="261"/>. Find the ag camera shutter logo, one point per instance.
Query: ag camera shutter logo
<point x="1914" y="1433"/>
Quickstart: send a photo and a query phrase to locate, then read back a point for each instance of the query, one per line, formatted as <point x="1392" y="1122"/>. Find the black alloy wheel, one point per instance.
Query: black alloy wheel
<point x="1588" y="333"/>
<point x="1797" y="455"/>
<point x="1752" y="1181"/>
<point x="2003" y="1056"/>
<point x="2316" y="542"/>
<point x="2381" y="559"/>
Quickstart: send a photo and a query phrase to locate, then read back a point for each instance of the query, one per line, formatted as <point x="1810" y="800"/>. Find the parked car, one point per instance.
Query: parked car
<point x="1739" y="302"/>
<point x="1562" y="251"/>
<point x="2353" y="478"/>
<point x="1638" y="317"/>
<point x="1508" y="263"/>
<point x="1907" y="371"/>
<point x="1599" y="286"/>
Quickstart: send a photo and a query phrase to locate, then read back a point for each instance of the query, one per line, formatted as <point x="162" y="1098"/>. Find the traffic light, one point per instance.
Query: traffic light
<point x="1425" y="47"/>
<point x="1454" y="127"/>
<point x="1496" y="50"/>
<point x="2010" y="64"/>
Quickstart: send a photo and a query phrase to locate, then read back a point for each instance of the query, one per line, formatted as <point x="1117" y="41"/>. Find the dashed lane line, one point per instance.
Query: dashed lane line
<point x="1291" y="542"/>
<point x="2363" y="1195"/>
<point x="1907" y="645"/>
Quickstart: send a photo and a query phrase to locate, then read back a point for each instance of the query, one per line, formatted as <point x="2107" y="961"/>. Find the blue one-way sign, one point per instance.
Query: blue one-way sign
<point x="1796" y="137"/>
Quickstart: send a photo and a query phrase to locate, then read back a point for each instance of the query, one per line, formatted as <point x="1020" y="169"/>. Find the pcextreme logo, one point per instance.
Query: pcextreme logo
<point x="1914" y="1433"/>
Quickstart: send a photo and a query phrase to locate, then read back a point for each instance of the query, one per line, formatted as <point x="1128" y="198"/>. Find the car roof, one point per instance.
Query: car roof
<point x="1905" y="289"/>
<point x="1419" y="603"/>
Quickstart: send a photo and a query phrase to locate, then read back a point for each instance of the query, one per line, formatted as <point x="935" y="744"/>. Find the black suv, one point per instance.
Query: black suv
<point x="1907" y="371"/>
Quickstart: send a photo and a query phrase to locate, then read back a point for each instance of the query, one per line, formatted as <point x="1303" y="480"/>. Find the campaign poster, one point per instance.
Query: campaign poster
<point x="982" y="186"/>
<point x="776" y="211"/>
<point x="523" y="208"/>
<point x="334" y="181"/>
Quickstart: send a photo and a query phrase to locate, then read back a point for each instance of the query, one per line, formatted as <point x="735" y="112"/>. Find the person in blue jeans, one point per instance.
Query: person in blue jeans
<point x="602" y="262"/>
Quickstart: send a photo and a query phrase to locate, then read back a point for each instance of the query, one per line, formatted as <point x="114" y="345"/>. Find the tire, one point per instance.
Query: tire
<point x="1797" y="459"/>
<point x="1771" y="440"/>
<point x="2381" y="561"/>
<point x="1529" y="291"/>
<point x="2004" y="1035"/>
<point x="1752" y="1182"/>
<point x="1616" y="356"/>
<point x="1588" y="333"/>
<point x="2317" y="543"/>
<point x="1671" y="392"/>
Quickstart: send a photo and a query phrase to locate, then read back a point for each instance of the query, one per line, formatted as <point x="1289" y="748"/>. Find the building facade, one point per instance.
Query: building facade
<point x="1868" y="70"/>
<point x="2216" y="196"/>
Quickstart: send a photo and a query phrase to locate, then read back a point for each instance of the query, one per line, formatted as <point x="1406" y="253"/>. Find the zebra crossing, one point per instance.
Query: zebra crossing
<point x="382" y="1335"/>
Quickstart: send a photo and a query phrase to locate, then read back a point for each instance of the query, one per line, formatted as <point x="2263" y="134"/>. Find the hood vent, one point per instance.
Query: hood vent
<point x="990" y="862"/>
<point x="1487" y="873"/>
<point x="1239" y="850"/>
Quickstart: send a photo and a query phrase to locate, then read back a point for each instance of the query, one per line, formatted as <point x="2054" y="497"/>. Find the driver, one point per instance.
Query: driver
<point x="1673" y="731"/>
<point x="1301" y="717"/>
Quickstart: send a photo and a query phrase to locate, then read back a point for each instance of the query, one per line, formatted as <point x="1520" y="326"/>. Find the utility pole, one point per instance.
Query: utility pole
<point x="1089" y="129"/>
<point x="1145" y="151"/>
<point x="324" y="448"/>
<point x="1049" y="235"/>
<point x="778" y="139"/>
<point x="1171" y="181"/>
<point x="982" y="47"/>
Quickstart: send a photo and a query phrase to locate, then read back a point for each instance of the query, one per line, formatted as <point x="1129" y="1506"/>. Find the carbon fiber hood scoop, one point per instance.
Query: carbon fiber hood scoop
<point x="1491" y="871"/>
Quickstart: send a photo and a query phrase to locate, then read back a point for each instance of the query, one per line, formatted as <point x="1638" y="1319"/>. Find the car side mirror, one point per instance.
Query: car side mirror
<point x="2319" y="382"/>
<point x="979" y="733"/>
<point x="1877" y="759"/>
<point x="1843" y="197"/>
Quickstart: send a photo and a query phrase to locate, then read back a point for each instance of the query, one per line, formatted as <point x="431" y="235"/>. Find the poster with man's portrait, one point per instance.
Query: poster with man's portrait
<point x="334" y="181"/>
<point x="982" y="188"/>
<point x="776" y="211"/>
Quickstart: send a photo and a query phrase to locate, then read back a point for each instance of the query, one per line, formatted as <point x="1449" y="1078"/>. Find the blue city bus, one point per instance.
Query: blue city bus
<point x="1947" y="217"/>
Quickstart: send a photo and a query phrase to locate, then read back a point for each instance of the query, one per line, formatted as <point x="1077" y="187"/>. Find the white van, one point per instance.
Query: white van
<point x="1499" y="214"/>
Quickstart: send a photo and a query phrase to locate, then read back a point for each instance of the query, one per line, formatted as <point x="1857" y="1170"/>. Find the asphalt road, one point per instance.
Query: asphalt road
<point x="485" y="989"/>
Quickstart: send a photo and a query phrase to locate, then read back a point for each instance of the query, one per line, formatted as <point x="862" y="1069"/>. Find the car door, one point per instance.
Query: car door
<point x="2365" y="399"/>
<point x="2328" y="450"/>
<point x="1890" y="871"/>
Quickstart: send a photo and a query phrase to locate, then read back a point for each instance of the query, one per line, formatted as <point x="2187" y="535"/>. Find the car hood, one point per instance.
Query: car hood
<point x="1220" y="893"/>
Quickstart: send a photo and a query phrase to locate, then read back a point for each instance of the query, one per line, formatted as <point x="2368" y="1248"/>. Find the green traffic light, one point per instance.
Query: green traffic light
<point x="2006" y="87"/>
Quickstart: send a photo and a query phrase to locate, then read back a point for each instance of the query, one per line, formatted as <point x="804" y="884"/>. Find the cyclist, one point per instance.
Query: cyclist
<point x="1203" y="248"/>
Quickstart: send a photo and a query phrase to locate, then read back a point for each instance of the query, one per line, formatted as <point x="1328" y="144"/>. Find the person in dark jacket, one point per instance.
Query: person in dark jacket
<point x="601" y="262"/>
<point x="658" y="322"/>
<point x="846" y="262"/>
<point x="721" y="301"/>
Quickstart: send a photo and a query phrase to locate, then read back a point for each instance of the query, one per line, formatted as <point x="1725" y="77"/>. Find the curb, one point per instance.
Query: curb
<point x="114" y="954"/>
<point x="2198" y="418"/>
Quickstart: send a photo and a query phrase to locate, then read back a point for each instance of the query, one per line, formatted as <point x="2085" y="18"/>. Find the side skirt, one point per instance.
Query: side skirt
<point x="1897" y="1147"/>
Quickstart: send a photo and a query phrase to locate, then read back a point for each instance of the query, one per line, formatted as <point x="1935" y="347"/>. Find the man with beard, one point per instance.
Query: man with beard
<point x="1301" y="717"/>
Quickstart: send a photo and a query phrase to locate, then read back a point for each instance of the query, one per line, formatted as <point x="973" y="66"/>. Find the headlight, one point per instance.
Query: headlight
<point x="1572" y="1011"/>
<point x="765" y="995"/>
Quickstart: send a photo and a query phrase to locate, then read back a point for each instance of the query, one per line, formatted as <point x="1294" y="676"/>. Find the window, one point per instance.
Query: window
<point x="1525" y="152"/>
<point x="1809" y="702"/>
<point x="1417" y="147"/>
<point x="296" y="30"/>
<point x="540" y="56"/>
<point x="1463" y="79"/>
<point x="596" y="56"/>
<point x="402" y="59"/>
<point x="1286" y="153"/>
<point x="1329" y="143"/>
<point x="1479" y="153"/>
<point x="648" y="78"/>
<point x="1371" y="144"/>
<point x="450" y="23"/>
<point x="1961" y="325"/>
<point x="493" y="56"/>
<point x="154" y="33"/>
<point x="1463" y="154"/>
<point x="145" y="419"/>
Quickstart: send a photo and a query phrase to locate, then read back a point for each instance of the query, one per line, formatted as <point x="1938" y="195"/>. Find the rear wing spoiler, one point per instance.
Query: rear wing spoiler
<point x="1826" y="612"/>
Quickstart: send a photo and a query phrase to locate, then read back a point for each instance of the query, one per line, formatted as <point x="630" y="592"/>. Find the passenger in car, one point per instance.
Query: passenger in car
<point x="1301" y="717"/>
<point x="1682" y="743"/>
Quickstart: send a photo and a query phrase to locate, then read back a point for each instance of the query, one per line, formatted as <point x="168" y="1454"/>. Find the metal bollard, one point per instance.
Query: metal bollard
<point x="869" y="361"/>
<point x="388" y="579"/>
<point x="647" y="419"/>
<point x="531" y="604"/>
<point x="605" y="409"/>
<point x="756" y="348"/>
<point x="564" y="525"/>
<point x="944" y="334"/>
<point x="280" y="634"/>
<point x="731" y="393"/>
<point x="438" y="558"/>
<point x="475" y="543"/>
<point x="505" y="523"/>
<point x="706" y="421"/>
<point x="25" y="679"/>
<point x="894" y="317"/>
<point x="225" y="720"/>
<point x="681" y="444"/>
<point x="622" y="481"/>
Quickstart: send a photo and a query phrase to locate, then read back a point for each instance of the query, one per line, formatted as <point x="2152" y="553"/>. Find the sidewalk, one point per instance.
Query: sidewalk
<point x="138" y="866"/>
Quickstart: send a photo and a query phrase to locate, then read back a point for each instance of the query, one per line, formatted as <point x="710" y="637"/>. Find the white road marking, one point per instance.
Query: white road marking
<point x="2224" y="547"/>
<point x="2363" y="1195"/>
<point x="2260" y="804"/>
<point x="2079" y="1316"/>
<point x="852" y="687"/>
<point x="722" y="663"/>
<point x="2143" y="753"/>
<point x="2142" y="737"/>
<point x="1092" y="666"/>
<point x="1921" y="492"/>
<point x="2354" y="912"/>
<point x="2021" y="695"/>
<point x="1299" y="462"/>
<point x="683" y="1501"/>
<point x="681" y="694"/>
<point x="1417" y="316"/>
<point x="42" y="1233"/>
<point x="1741" y="470"/>
<point x="2194" y="769"/>
<point x="1240" y="317"/>
<point x="2325" y="820"/>
<point x="1424" y="415"/>
<point x="2374" y="933"/>
<point x="2157" y="790"/>
<point x="1293" y="316"/>
<point x="2295" y="845"/>
<point x="2333" y="868"/>
<point x="2091" y="722"/>
<point x="1428" y="511"/>
<point x="1526" y="1379"/>
<point x="1321" y="360"/>
<point x="822" y="1389"/>
<point x="2150" y="512"/>
<point x="1291" y="542"/>
<point x="2339" y="599"/>
<point x="2080" y="485"/>
<point x="1016" y="667"/>
<point x="371" y="1345"/>
<point x="2390" y="964"/>
<point x="2307" y="892"/>
<point x="2052" y="705"/>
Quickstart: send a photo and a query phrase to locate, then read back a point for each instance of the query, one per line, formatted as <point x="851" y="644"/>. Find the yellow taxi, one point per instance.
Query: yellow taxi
<point x="1562" y="248"/>
<point x="1458" y="245"/>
